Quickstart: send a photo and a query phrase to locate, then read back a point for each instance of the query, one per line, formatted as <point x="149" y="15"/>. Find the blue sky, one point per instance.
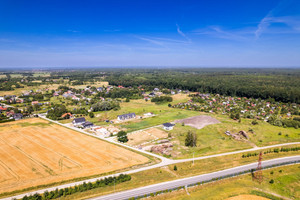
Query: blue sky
<point x="61" y="33"/>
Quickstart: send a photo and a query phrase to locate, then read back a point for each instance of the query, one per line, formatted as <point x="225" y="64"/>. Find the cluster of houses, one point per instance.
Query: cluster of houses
<point x="248" y="107"/>
<point x="156" y="93"/>
<point x="10" y="114"/>
<point x="11" y="99"/>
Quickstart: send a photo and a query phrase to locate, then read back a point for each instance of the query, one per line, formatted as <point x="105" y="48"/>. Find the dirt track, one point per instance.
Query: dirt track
<point x="247" y="197"/>
<point x="198" y="122"/>
<point x="34" y="152"/>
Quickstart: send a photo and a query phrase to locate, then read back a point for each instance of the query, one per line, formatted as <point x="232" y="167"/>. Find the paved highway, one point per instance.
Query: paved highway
<point x="192" y="180"/>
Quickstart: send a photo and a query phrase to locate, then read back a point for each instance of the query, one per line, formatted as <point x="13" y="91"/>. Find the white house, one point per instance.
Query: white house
<point x="126" y="116"/>
<point x="168" y="126"/>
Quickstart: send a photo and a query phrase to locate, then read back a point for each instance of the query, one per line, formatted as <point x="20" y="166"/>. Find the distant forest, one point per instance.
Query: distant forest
<point x="279" y="84"/>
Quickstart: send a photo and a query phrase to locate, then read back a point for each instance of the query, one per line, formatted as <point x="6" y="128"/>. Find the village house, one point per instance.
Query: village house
<point x="78" y="121"/>
<point x="99" y="89"/>
<point x="34" y="102"/>
<point x="87" y="124"/>
<point x="67" y="116"/>
<point x="18" y="116"/>
<point x="126" y="116"/>
<point x="168" y="126"/>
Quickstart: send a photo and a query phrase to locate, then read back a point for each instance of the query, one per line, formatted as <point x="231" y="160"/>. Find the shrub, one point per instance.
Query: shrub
<point x="175" y="168"/>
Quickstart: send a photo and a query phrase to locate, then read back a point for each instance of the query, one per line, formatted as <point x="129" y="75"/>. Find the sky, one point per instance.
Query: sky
<point x="140" y="33"/>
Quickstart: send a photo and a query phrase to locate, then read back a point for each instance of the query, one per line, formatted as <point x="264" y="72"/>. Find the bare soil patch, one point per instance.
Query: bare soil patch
<point x="145" y="136"/>
<point x="198" y="122"/>
<point x="35" y="152"/>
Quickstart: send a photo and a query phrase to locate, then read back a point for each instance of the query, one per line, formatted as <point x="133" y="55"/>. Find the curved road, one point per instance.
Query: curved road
<point x="164" y="161"/>
<point x="192" y="180"/>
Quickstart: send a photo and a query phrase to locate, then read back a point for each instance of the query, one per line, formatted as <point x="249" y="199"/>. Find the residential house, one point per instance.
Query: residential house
<point x="99" y="89"/>
<point x="78" y="121"/>
<point x="168" y="126"/>
<point x="18" y="116"/>
<point x="34" y="102"/>
<point x="87" y="124"/>
<point x="126" y="116"/>
<point x="67" y="116"/>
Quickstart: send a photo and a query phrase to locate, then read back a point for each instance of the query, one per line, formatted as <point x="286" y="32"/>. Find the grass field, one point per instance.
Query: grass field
<point x="186" y="169"/>
<point x="35" y="152"/>
<point x="286" y="184"/>
<point x="2" y="76"/>
<point x="264" y="134"/>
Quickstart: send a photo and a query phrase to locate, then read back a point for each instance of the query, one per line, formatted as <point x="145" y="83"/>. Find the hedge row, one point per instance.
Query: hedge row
<point x="78" y="188"/>
<point x="276" y="150"/>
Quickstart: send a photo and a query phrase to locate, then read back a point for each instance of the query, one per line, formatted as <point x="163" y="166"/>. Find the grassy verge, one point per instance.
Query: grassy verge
<point x="286" y="184"/>
<point x="168" y="173"/>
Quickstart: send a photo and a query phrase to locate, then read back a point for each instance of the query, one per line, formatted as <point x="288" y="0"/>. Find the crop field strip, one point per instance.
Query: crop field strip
<point x="33" y="155"/>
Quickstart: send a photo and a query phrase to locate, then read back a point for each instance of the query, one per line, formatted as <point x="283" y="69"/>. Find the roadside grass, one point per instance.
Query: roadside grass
<point x="286" y="184"/>
<point x="186" y="169"/>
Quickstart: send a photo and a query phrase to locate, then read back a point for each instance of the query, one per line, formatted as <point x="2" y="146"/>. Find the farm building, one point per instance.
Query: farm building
<point x="168" y="126"/>
<point x="126" y="116"/>
<point x="78" y="121"/>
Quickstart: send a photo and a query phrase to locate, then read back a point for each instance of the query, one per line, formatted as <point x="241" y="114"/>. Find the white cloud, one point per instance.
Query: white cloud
<point x="273" y="17"/>
<point x="218" y="32"/>
<point x="182" y="34"/>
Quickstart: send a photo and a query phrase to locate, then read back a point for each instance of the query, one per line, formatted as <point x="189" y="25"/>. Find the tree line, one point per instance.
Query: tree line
<point x="79" y="188"/>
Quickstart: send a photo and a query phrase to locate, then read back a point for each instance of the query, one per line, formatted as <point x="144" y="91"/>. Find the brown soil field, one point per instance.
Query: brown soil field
<point x="139" y="137"/>
<point x="35" y="152"/>
<point x="247" y="197"/>
<point x="198" y="122"/>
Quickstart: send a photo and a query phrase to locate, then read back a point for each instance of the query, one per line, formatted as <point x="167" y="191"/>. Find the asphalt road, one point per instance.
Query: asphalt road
<point x="191" y="180"/>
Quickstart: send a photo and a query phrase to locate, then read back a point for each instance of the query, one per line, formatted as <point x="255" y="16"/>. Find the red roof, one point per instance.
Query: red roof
<point x="1" y="108"/>
<point x="66" y="115"/>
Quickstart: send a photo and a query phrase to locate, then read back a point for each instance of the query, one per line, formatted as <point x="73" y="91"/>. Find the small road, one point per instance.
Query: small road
<point x="164" y="161"/>
<point x="192" y="180"/>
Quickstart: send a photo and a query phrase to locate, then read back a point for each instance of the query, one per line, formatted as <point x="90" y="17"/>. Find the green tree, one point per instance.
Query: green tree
<point x="122" y="136"/>
<point x="91" y="115"/>
<point x="191" y="139"/>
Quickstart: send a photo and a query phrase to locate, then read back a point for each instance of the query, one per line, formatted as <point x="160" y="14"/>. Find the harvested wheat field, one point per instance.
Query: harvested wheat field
<point x="247" y="197"/>
<point x="145" y="136"/>
<point x="35" y="152"/>
<point x="198" y="122"/>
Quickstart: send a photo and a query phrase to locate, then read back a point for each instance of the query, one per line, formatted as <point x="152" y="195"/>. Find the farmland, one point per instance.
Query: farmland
<point x="35" y="152"/>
